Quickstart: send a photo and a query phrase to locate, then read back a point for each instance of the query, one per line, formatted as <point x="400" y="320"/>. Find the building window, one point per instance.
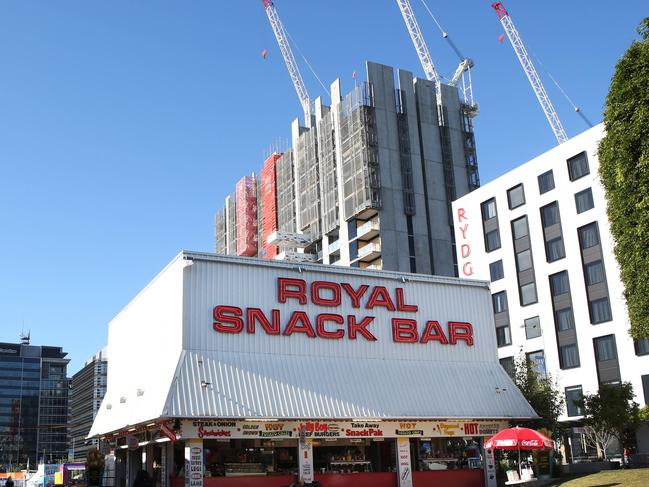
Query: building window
<point x="645" y="387"/>
<point x="573" y="395"/>
<point x="594" y="273"/>
<point x="550" y="214"/>
<point x="503" y="336"/>
<point x="554" y="249"/>
<point x="559" y="283"/>
<point x="600" y="311"/>
<point x="532" y="327"/>
<point x="507" y="363"/>
<point x="588" y="235"/>
<point x="584" y="200"/>
<point x="528" y="294"/>
<point x="564" y="319"/>
<point x="569" y="356"/>
<point x="524" y="260"/>
<point x="537" y="359"/>
<point x="496" y="271"/>
<point x="516" y="196"/>
<point x="605" y="348"/>
<point x="492" y="240"/>
<point x="489" y="209"/>
<point x="499" y="301"/>
<point x="578" y="166"/>
<point x="546" y="182"/>
<point x="519" y="228"/>
<point x="641" y="347"/>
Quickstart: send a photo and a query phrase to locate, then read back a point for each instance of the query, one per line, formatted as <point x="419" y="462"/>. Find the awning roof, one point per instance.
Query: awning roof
<point x="248" y="385"/>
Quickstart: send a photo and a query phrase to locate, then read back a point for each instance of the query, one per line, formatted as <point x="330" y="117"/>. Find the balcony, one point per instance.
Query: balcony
<point x="294" y="256"/>
<point x="368" y="230"/>
<point x="334" y="246"/>
<point x="289" y="239"/>
<point x="369" y="251"/>
<point x="375" y="265"/>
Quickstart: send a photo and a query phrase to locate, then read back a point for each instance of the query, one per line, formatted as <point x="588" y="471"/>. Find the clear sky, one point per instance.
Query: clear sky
<point x="124" y="124"/>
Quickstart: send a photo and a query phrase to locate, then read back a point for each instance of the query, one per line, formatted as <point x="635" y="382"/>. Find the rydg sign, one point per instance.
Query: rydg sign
<point x="333" y="326"/>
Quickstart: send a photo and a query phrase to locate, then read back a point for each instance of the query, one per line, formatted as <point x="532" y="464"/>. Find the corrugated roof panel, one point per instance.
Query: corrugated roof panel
<point x="263" y="386"/>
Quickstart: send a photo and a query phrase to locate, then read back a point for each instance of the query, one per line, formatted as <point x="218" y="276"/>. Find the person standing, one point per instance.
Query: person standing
<point x="9" y="482"/>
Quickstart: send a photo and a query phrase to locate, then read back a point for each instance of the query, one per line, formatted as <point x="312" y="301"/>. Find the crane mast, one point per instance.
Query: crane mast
<point x="420" y="45"/>
<point x="287" y="53"/>
<point x="530" y="72"/>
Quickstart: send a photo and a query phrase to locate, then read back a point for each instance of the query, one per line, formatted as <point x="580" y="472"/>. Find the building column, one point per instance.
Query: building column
<point x="404" y="465"/>
<point x="166" y="463"/>
<point x="194" y="463"/>
<point x="147" y="458"/>
<point x="133" y="459"/>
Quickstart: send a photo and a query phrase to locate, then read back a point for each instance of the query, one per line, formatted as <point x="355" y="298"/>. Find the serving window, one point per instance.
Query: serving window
<point x="231" y="458"/>
<point x="446" y="453"/>
<point x="353" y="456"/>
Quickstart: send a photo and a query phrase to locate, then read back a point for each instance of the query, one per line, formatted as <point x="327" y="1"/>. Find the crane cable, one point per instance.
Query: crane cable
<point x="306" y="61"/>
<point x="556" y="83"/>
<point x="443" y="32"/>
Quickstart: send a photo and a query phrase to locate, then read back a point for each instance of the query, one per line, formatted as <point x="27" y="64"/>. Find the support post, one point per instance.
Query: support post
<point x="305" y="459"/>
<point x="489" y="467"/>
<point x="194" y="463"/>
<point x="404" y="464"/>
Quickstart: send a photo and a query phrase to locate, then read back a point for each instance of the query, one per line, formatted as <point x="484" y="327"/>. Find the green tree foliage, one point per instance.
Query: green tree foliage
<point x="611" y="413"/>
<point x="543" y="394"/>
<point x="624" y="170"/>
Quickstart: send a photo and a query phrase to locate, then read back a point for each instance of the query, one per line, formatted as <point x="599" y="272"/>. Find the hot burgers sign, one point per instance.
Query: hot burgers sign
<point x="331" y="323"/>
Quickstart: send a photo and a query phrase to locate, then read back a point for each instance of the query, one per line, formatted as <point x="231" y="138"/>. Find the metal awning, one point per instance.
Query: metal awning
<point x="248" y="385"/>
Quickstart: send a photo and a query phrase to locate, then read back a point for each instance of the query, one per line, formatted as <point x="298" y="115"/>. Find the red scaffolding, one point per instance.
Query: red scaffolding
<point x="268" y="195"/>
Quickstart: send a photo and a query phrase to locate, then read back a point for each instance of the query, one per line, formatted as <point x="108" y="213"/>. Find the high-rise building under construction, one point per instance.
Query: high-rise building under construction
<point x="369" y="183"/>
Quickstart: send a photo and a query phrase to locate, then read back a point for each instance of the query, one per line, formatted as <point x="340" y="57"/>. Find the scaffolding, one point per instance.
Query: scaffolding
<point x="220" y="232"/>
<point x="359" y="148"/>
<point x="470" y="153"/>
<point x="246" y="208"/>
<point x="328" y="173"/>
<point x="447" y="160"/>
<point x="308" y="182"/>
<point x="231" y="224"/>
<point x="285" y="179"/>
<point x="268" y="206"/>
<point x="405" y="155"/>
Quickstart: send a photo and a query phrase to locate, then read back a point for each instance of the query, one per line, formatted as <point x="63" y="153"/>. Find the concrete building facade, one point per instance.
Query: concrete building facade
<point x="88" y="389"/>
<point x="33" y="403"/>
<point x="541" y="235"/>
<point x="367" y="183"/>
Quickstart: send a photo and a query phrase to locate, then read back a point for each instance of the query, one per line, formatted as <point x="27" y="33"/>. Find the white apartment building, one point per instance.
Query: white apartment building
<point x="541" y="235"/>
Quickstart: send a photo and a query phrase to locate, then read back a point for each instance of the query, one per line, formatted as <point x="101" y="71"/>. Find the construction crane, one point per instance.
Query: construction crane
<point x="530" y="71"/>
<point x="420" y="45"/>
<point x="287" y="53"/>
<point x="463" y="71"/>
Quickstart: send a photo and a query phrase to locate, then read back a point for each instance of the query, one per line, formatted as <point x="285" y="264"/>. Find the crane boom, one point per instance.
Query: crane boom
<point x="287" y="53"/>
<point x="530" y="71"/>
<point x="420" y="44"/>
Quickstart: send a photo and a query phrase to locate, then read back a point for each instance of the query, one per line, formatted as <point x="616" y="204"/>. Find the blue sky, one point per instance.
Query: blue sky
<point x="124" y="124"/>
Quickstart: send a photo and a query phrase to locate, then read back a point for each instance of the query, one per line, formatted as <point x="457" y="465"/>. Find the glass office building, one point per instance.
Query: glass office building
<point x="33" y="403"/>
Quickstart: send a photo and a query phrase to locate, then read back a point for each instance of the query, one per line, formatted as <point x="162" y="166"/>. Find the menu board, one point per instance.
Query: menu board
<point x="194" y="464"/>
<point x="231" y="429"/>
